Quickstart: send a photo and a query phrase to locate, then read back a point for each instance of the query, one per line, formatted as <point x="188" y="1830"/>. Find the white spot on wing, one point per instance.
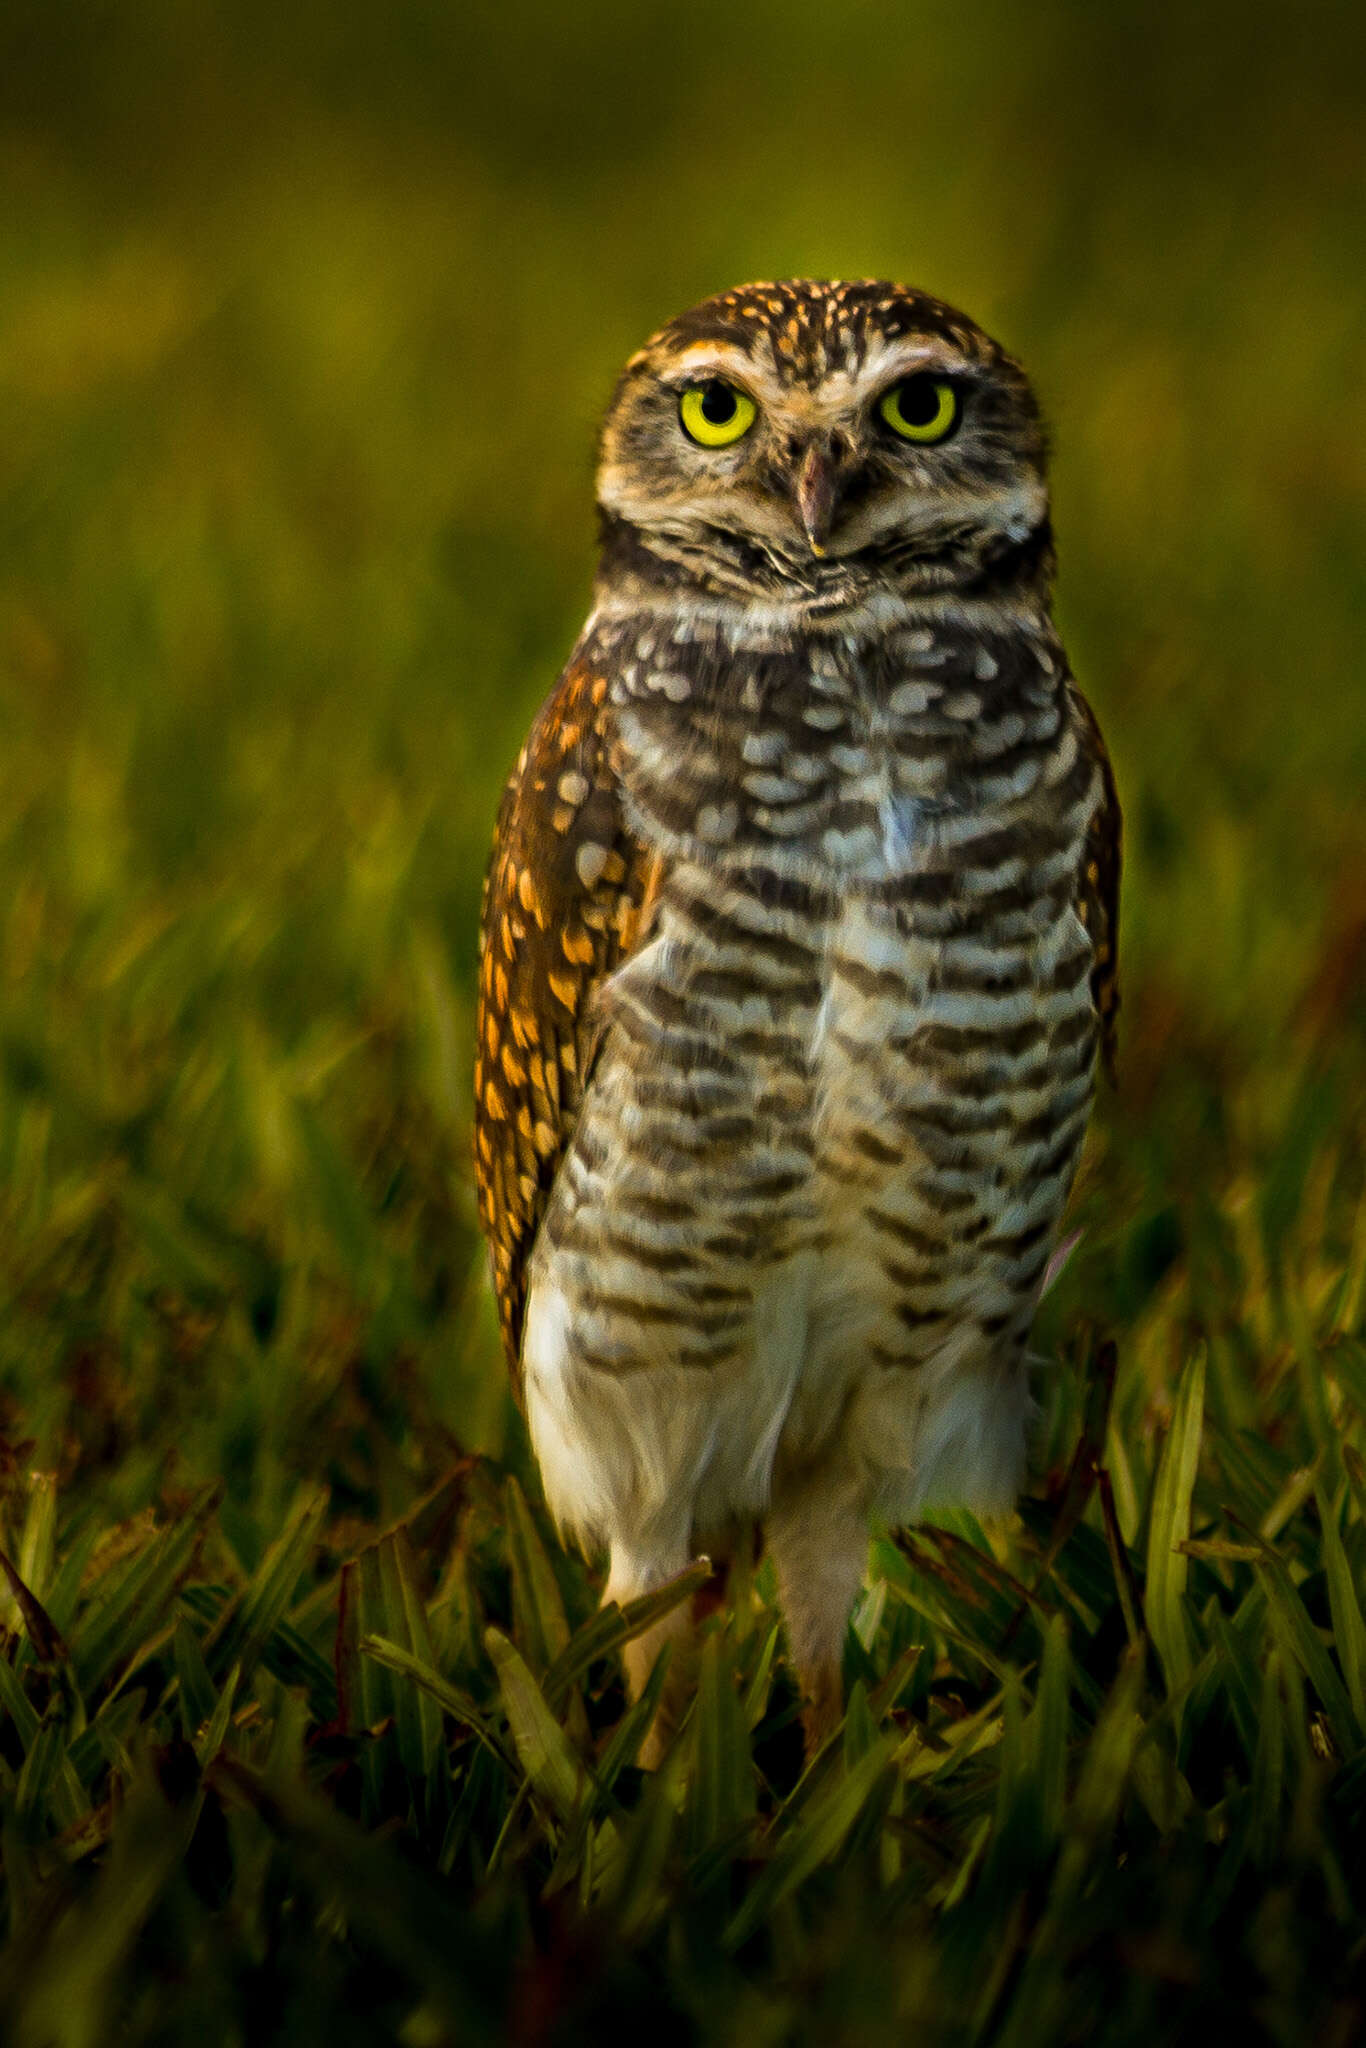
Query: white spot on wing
<point x="590" y="860"/>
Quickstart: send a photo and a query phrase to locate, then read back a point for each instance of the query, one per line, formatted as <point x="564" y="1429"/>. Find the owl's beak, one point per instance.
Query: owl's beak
<point x="816" y="495"/>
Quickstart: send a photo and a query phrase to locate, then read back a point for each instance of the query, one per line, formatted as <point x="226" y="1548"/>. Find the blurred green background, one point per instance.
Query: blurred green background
<point x="307" y="314"/>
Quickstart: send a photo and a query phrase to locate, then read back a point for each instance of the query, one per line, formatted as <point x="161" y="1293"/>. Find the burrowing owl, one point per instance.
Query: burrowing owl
<point x="798" y="948"/>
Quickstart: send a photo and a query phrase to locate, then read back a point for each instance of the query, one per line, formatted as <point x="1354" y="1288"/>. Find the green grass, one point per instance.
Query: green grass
<point x="308" y="1730"/>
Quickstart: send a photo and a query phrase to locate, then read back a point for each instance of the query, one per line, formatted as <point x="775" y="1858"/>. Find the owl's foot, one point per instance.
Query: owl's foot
<point x="676" y="1633"/>
<point x="822" y="1706"/>
<point x="635" y="1572"/>
<point x="817" y="1531"/>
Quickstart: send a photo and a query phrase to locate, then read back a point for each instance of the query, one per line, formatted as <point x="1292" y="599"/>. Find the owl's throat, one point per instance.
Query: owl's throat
<point x="715" y="561"/>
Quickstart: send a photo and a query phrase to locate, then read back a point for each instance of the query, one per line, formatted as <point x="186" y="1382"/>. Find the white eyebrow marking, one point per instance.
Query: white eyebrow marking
<point x="890" y="359"/>
<point x="703" y="354"/>
<point x="720" y="359"/>
<point x="841" y="391"/>
<point x="884" y="365"/>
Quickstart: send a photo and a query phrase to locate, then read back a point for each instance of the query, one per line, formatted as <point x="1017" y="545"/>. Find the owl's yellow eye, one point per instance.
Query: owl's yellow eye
<point x="716" y="414"/>
<point x="921" y="408"/>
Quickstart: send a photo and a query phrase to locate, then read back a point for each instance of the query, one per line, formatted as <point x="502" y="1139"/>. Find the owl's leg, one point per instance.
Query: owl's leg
<point x="636" y="1570"/>
<point x="817" y="1531"/>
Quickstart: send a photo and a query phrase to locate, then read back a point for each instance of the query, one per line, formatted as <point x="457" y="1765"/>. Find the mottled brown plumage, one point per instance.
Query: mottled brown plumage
<point x="565" y="901"/>
<point x="799" y="942"/>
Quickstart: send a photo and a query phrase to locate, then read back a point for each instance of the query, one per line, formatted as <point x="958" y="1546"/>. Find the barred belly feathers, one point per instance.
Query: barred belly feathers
<point x="798" y="952"/>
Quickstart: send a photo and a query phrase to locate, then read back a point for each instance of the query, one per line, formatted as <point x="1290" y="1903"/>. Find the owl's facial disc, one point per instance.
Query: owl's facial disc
<point x="846" y="446"/>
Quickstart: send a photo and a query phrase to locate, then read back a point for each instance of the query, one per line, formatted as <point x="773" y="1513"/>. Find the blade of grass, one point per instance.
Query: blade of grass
<point x="538" y="1610"/>
<point x="44" y="1638"/>
<point x="815" y="1839"/>
<point x="17" y="1704"/>
<point x="1047" y="1730"/>
<point x="721" y="1795"/>
<point x="216" y="1733"/>
<point x="543" y="1748"/>
<point x="606" y="1631"/>
<point x="108" y="1741"/>
<point x="760" y="1685"/>
<point x="132" y="1607"/>
<point x="1169" y="1527"/>
<point x="634" y="1889"/>
<point x="38" y="1542"/>
<point x="630" y="1731"/>
<point x="1349" y="1632"/>
<point x="404" y="1620"/>
<point x="48" y="1786"/>
<point x="198" y="1693"/>
<point x="1299" y="1636"/>
<point x="395" y="1657"/>
<point x="1100" y="1791"/>
<point x="242" y="1630"/>
<point x="1266" y="1789"/>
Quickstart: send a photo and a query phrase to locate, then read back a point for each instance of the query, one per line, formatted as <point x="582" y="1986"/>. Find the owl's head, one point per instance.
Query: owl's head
<point x="804" y="431"/>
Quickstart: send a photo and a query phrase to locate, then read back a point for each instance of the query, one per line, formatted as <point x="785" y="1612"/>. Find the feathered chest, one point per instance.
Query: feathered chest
<point x="777" y="917"/>
<point x="869" y="856"/>
<point x="841" y="757"/>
